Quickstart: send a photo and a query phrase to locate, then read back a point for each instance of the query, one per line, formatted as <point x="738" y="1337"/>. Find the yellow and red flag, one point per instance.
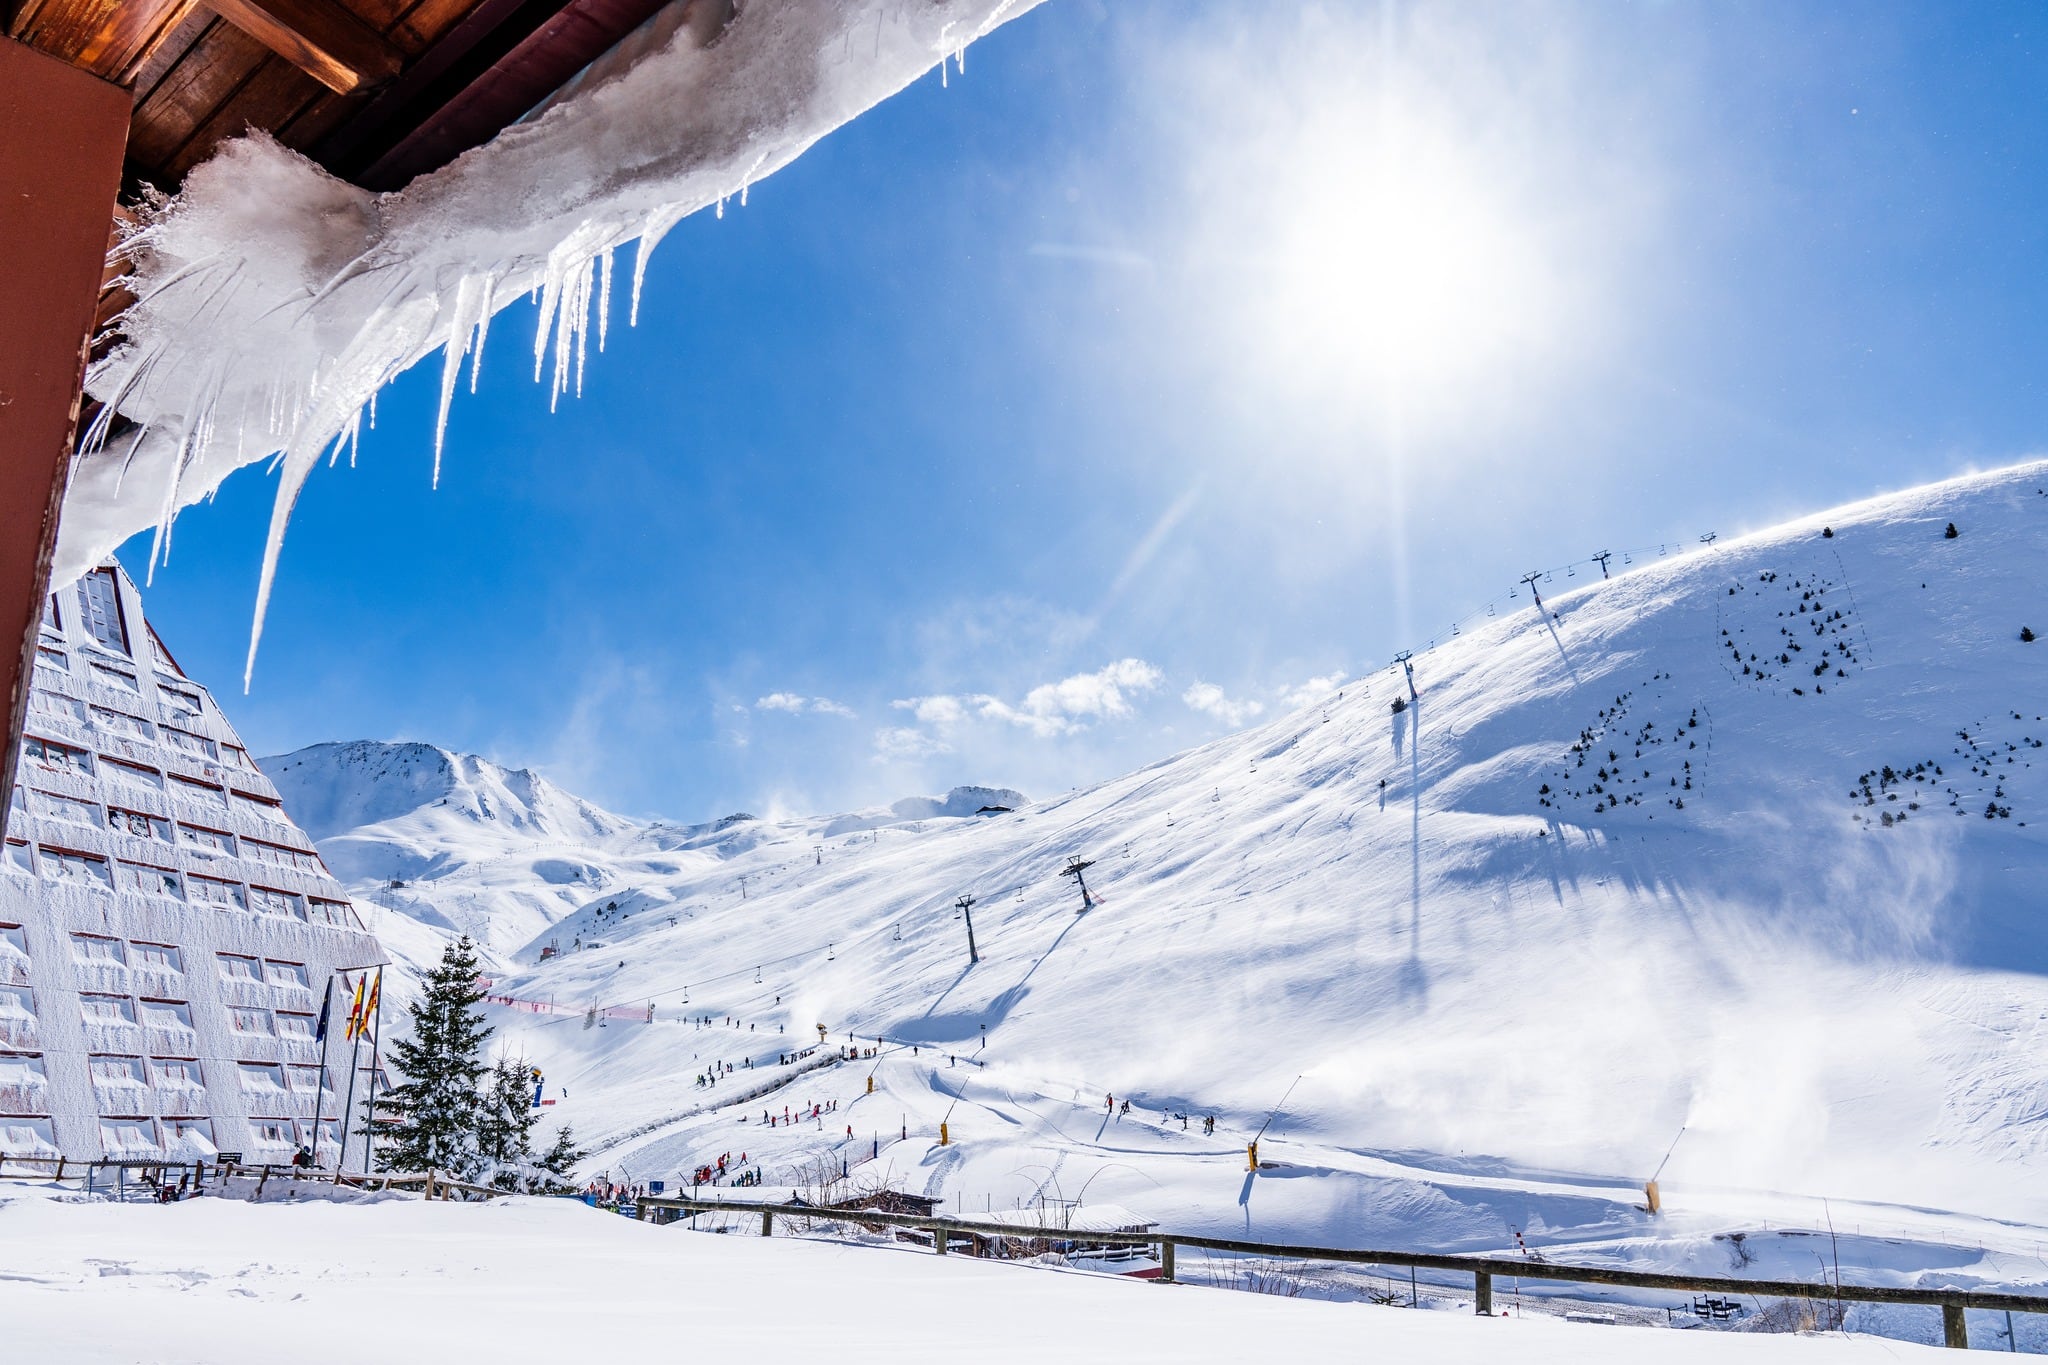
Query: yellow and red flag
<point x="355" y="1011"/>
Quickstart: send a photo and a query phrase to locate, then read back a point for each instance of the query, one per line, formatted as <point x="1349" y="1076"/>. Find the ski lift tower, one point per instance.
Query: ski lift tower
<point x="1530" y="579"/>
<point x="1075" y="867"/>
<point x="1406" y="658"/>
<point x="966" y="907"/>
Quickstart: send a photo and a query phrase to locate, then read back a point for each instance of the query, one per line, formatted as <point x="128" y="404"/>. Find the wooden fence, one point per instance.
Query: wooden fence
<point x="1952" y="1302"/>
<point x="161" y="1173"/>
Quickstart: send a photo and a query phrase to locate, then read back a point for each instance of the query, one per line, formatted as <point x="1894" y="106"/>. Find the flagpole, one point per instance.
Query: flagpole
<point x="320" y="1092"/>
<point x="376" y="1049"/>
<point x="348" y="1105"/>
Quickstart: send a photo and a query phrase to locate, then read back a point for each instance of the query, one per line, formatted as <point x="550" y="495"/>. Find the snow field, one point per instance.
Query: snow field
<point x="224" y="1282"/>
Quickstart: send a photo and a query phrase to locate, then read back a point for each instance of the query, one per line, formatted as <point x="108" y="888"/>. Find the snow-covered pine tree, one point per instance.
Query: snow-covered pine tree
<point x="505" y="1119"/>
<point x="433" y="1117"/>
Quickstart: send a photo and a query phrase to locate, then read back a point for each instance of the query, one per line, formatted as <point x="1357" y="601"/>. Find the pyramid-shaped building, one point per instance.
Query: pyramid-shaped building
<point x="167" y="934"/>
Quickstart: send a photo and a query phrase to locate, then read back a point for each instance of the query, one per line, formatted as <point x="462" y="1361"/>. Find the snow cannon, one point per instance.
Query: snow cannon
<point x="945" y="1139"/>
<point x="1656" y="1204"/>
<point x="1251" y="1152"/>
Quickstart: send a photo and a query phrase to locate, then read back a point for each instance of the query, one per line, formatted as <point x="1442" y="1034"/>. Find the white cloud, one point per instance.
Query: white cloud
<point x="1310" y="692"/>
<point x="1211" y="700"/>
<point x="903" y="742"/>
<point x="1049" y="709"/>
<point x="796" y="705"/>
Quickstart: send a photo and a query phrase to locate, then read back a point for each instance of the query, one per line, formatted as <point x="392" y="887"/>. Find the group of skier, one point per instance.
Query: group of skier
<point x="1111" y="1109"/>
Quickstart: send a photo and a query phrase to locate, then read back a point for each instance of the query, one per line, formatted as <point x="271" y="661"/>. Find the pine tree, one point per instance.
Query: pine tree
<point x="433" y="1117"/>
<point x="505" y="1118"/>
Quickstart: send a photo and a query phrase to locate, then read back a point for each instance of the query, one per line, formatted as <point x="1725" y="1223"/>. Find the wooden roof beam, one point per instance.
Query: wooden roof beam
<point x="319" y="37"/>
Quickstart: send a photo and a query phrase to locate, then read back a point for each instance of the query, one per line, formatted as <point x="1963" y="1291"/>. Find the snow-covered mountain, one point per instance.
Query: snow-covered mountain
<point x="1752" y="843"/>
<point x="434" y="843"/>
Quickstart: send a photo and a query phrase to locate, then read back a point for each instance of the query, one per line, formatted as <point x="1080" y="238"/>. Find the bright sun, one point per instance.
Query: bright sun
<point x="1393" y="266"/>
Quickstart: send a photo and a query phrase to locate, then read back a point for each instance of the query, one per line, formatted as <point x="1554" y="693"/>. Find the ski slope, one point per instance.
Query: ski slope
<point x="1748" y="842"/>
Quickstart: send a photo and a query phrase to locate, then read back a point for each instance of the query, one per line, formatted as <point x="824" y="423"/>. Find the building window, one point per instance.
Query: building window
<point x="261" y="1078"/>
<point x="251" y="1021"/>
<point x="51" y="621"/>
<point x="69" y="809"/>
<point x="265" y="901"/>
<point x="127" y="1137"/>
<point x="17" y="859"/>
<point x="289" y="975"/>
<point x="212" y="842"/>
<point x="114" y="677"/>
<point x="151" y="881"/>
<point x="156" y="957"/>
<point x="167" y="1016"/>
<point x="202" y="795"/>
<point x="299" y="1026"/>
<point x="91" y="948"/>
<point x="113" y="1073"/>
<point x="134" y="777"/>
<point x="23" y="1083"/>
<point x="328" y="912"/>
<point x="17" y="1017"/>
<point x="106" y="1009"/>
<point x="207" y="891"/>
<point x="189" y="1137"/>
<point x="235" y="967"/>
<point x="306" y="1079"/>
<point x="179" y="703"/>
<point x="59" y="758"/>
<point x="273" y="1133"/>
<point x="79" y="869"/>
<point x="27" y="1137"/>
<point x="121" y="723"/>
<point x="177" y="1073"/>
<point x="57" y="706"/>
<point x="197" y="745"/>
<point x="99" y="609"/>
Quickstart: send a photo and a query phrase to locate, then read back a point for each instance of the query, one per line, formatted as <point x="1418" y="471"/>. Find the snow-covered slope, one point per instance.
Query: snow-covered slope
<point x="1749" y="842"/>
<point x="433" y="843"/>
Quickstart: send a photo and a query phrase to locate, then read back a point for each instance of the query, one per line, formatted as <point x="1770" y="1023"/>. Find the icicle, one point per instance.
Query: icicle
<point x="373" y="409"/>
<point x="298" y="465"/>
<point x="604" y="296"/>
<point x="583" y="292"/>
<point x="460" y="321"/>
<point x="483" y="329"/>
<point x="721" y="206"/>
<point x="743" y="194"/>
<point x="550" y="287"/>
<point x="657" y="227"/>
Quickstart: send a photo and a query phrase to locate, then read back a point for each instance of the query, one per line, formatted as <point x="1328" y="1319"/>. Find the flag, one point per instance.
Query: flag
<point x="370" y="1005"/>
<point x="326" y="1003"/>
<point x="355" y="1011"/>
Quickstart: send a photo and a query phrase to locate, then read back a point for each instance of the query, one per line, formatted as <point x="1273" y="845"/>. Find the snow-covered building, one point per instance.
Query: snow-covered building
<point x="167" y="934"/>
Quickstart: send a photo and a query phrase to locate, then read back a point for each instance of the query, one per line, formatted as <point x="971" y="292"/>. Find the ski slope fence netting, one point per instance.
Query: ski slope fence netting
<point x="1484" y="1270"/>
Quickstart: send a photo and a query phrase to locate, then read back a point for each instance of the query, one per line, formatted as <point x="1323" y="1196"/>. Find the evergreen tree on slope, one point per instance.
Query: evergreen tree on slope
<point x="434" y="1114"/>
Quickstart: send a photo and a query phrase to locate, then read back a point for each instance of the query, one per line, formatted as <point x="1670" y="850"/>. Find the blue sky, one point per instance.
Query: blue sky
<point x="1170" y="362"/>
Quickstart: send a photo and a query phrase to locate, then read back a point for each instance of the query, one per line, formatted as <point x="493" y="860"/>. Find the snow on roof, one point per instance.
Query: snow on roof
<point x="274" y="300"/>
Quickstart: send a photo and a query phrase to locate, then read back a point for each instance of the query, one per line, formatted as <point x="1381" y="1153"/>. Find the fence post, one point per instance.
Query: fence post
<point x="1482" y="1293"/>
<point x="939" y="1240"/>
<point x="767" y="1223"/>
<point x="1954" y="1332"/>
<point x="1165" y="1261"/>
<point x="430" y="1183"/>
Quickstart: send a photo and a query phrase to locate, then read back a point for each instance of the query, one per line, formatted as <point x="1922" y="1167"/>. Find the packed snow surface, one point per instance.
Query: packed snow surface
<point x="1747" y="843"/>
<point x="274" y="300"/>
<point x="231" y="1283"/>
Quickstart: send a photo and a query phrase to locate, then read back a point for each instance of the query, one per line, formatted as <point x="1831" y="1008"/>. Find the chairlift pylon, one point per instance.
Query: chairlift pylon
<point x="757" y="976"/>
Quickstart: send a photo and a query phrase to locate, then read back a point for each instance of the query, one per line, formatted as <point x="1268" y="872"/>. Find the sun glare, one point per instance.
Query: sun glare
<point x="1393" y="266"/>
